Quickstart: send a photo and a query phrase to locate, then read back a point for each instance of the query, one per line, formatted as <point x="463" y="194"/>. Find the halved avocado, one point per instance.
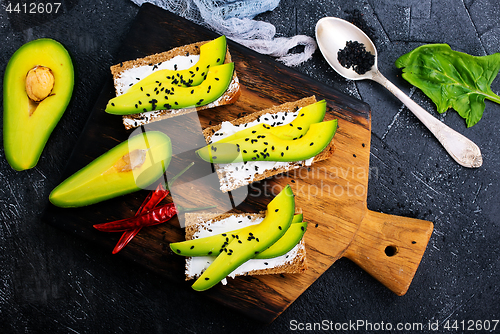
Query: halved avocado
<point x="313" y="113"/>
<point x="37" y="87"/>
<point x="213" y="245"/>
<point x="156" y="96"/>
<point x="130" y="166"/>
<point x="268" y="147"/>
<point x="212" y="53"/>
<point x="279" y="215"/>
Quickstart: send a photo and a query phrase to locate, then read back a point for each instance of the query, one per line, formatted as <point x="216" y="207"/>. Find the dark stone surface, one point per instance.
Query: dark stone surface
<point x="52" y="282"/>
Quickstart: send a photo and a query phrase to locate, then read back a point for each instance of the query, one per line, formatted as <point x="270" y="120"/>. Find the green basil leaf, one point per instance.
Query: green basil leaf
<point x="452" y="79"/>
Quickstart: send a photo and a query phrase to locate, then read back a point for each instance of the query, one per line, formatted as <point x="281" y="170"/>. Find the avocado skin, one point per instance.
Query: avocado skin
<point x="25" y="135"/>
<point x="100" y="181"/>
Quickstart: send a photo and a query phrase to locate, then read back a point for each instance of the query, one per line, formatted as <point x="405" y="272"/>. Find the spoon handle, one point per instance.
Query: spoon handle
<point x="461" y="149"/>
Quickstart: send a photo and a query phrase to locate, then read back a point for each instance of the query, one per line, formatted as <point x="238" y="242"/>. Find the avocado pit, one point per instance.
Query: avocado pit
<point x="131" y="160"/>
<point x="39" y="83"/>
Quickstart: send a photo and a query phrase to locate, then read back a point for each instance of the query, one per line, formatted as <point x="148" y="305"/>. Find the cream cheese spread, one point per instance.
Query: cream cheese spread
<point x="133" y="75"/>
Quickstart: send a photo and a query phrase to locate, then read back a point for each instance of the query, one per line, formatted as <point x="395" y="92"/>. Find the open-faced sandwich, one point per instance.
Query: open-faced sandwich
<point x="182" y="80"/>
<point x="269" y="242"/>
<point x="269" y="142"/>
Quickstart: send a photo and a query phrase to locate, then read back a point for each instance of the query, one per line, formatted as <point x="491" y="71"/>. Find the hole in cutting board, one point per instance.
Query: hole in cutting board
<point x="391" y="250"/>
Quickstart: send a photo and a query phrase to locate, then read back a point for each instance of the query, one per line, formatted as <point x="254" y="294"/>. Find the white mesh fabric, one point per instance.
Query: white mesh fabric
<point x="234" y="18"/>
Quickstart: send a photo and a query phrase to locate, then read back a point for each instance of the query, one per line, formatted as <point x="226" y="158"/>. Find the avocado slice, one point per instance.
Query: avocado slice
<point x="285" y="244"/>
<point x="38" y="84"/>
<point x="313" y="113"/>
<point x="278" y="218"/>
<point x="127" y="167"/>
<point x="212" y="53"/>
<point x="213" y="245"/>
<point x="164" y="95"/>
<point x="269" y="147"/>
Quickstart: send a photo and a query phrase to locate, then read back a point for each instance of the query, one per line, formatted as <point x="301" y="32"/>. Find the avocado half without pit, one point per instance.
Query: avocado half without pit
<point x="130" y="166"/>
<point x="38" y="84"/>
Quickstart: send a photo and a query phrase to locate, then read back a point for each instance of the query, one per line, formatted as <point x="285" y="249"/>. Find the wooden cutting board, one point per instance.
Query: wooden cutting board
<point x="332" y="194"/>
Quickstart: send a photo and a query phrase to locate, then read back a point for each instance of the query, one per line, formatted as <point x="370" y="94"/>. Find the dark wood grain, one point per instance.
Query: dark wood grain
<point x="332" y="194"/>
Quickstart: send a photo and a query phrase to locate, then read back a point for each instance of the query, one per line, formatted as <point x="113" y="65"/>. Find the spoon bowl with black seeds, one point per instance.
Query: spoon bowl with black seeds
<point x="352" y="54"/>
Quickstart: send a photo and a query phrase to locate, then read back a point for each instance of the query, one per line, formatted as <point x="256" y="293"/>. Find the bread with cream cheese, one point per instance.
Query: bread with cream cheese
<point x="293" y="262"/>
<point x="130" y="121"/>
<point x="228" y="182"/>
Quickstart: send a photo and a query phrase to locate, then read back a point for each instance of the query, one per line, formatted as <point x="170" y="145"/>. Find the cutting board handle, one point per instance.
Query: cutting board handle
<point x="390" y="248"/>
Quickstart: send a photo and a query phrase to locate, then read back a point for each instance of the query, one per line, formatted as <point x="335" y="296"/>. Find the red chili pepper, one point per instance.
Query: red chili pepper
<point x="156" y="216"/>
<point x="148" y="204"/>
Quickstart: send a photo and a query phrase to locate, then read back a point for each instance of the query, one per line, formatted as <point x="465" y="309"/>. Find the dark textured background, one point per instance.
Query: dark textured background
<point x="53" y="282"/>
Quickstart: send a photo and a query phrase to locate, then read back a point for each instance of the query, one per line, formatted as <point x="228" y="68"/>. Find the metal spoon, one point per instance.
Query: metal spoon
<point x="333" y="33"/>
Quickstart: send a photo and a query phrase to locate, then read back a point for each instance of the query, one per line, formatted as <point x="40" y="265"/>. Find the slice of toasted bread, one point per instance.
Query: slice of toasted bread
<point x="130" y="121"/>
<point x="291" y="263"/>
<point x="229" y="182"/>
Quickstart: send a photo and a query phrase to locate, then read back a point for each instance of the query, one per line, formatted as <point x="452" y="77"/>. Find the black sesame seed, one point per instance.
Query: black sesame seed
<point x="280" y="227"/>
<point x="206" y="278"/>
<point x="191" y="247"/>
<point x="356" y="56"/>
<point x="276" y="210"/>
<point x="311" y="144"/>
